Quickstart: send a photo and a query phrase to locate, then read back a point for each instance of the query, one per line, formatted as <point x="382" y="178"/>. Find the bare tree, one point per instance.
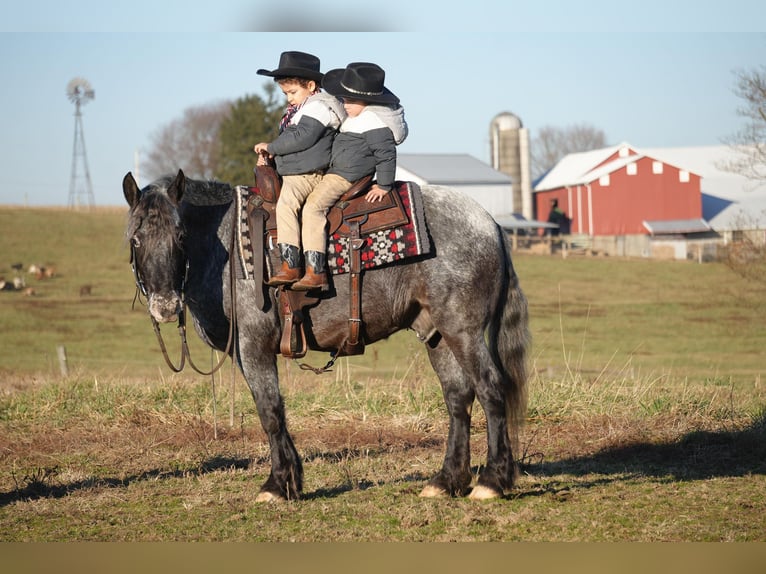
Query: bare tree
<point x="553" y="143"/>
<point x="749" y="143"/>
<point x="746" y="254"/>
<point x="190" y="142"/>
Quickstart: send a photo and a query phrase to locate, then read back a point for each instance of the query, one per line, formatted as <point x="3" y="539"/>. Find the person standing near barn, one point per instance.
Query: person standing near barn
<point x="558" y="217"/>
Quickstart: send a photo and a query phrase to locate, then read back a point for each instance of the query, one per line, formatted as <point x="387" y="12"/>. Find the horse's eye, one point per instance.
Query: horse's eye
<point x="135" y="241"/>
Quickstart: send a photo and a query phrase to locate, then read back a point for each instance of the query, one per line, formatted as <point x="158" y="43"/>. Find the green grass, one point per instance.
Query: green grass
<point x="646" y="416"/>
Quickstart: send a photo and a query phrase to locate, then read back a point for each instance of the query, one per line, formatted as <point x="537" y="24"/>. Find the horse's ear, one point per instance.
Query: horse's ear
<point x="176" y="189"/>
<point x="130" y="190"/>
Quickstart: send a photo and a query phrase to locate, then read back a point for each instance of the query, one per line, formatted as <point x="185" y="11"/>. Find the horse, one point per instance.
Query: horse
<point x="463" y="299"/>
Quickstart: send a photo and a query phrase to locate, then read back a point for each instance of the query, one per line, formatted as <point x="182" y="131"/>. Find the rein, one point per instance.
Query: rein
<point x="185" y="353"/>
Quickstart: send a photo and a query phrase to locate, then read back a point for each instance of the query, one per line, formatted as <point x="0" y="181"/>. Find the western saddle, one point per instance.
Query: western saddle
<point x="352" y="217"/>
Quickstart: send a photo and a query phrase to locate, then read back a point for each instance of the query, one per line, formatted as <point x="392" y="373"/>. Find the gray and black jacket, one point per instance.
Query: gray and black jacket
<point x="305" y="146"/>
<point x="367" y="144"/>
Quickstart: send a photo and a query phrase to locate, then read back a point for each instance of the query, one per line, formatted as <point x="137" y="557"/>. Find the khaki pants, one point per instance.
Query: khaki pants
<point x="302" y="208"/>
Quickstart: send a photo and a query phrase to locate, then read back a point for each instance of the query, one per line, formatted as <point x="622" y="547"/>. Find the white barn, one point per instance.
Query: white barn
<point x="490" y="188"/>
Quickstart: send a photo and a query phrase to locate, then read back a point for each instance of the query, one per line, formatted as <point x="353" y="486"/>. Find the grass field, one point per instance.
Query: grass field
<point x="646" y="421"/>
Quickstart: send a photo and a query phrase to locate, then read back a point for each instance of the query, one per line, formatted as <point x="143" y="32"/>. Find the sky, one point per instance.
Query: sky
<point x="651" y="73"/>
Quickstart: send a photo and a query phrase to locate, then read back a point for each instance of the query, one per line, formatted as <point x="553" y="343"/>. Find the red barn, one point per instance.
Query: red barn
<point x="613" y="191"/>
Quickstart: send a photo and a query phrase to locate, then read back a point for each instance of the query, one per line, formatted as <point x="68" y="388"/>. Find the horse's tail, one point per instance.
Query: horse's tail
<point x="511" y="330"/>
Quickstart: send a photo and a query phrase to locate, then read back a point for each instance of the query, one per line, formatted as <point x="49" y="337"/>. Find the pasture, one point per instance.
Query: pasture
<point x="646" y="421"/>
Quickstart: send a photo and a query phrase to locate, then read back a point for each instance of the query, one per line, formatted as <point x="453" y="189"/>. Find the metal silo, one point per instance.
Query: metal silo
<point x="509" y="149"/>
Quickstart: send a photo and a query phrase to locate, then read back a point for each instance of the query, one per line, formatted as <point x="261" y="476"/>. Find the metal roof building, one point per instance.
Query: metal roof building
<point x="487" y="186"/>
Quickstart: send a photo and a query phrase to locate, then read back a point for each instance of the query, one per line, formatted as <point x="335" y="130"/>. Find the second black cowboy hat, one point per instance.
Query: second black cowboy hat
<point x="295" y="64"/>
<point x="359" y="81"/>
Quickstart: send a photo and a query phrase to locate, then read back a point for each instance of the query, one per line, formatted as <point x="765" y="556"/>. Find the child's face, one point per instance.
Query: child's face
<point x="295" y="93"/>
<point x="353" y="107"/>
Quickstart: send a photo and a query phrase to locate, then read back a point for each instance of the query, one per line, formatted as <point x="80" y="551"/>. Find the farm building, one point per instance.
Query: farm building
<point x="732" y="205"/>
<point x="613" y="191"/>
<point x="490" y="188"/>
<point x="667" y="202"/>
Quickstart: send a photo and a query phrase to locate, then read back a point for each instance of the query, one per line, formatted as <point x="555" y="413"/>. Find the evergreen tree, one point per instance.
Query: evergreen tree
<point x="251" y="120"/>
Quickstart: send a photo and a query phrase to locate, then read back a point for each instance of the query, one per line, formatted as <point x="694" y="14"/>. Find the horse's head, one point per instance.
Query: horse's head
<point x="155" y="234"/>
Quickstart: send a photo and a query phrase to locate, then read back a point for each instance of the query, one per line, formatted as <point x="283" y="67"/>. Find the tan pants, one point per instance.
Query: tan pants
<point x="302" y="209"/>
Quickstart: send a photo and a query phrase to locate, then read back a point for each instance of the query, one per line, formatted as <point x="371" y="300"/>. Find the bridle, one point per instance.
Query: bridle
<point x="185" y="353"/>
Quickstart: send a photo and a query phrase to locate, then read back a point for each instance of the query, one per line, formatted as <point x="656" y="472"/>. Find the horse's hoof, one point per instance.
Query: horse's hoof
<point x="266" y="496"/>
<point x="483" y="493"/>
<point x="431" y="491"/>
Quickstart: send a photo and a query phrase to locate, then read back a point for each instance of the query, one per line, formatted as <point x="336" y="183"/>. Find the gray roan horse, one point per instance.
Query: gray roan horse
<point x="465" y="295"/>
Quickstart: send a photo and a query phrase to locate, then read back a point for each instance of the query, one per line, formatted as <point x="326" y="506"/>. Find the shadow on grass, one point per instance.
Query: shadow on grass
<point x="698" y="455"/>
<point x="42" y="483"/>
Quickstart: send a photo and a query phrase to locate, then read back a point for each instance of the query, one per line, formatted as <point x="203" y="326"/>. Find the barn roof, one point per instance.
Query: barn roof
<point x="450" y="169"/>
<point x="573" y="168"/>
<point x="518" y="221"/>
<point x="676" y="226"/>
<point x="585" y="167"/>
<point x="747" y="213"/>
<point x="708" y="162"/>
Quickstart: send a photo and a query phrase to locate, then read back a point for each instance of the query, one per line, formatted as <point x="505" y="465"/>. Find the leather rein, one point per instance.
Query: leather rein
<point x="185" y="353"/>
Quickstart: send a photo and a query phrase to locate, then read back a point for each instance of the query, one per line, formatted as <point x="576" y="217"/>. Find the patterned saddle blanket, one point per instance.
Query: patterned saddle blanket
<point x="391" y="230"/>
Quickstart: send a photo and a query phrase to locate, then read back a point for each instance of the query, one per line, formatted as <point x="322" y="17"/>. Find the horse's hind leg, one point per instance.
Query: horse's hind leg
<point x="454" y="478"/>
<point x="474" y="358"/>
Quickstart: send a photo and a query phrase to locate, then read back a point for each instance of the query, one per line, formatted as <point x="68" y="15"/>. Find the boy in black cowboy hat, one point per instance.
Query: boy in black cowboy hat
<point x="302" y="150"/>
<point x="365" y="145"/>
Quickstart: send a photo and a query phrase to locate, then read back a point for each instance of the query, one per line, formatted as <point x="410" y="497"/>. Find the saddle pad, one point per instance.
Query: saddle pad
<point x="388" y="245"/>
<point x="380" y="248"/>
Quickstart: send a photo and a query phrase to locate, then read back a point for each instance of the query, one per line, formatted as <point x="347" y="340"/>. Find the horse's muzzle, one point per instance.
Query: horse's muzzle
<point x="164" y="309"/>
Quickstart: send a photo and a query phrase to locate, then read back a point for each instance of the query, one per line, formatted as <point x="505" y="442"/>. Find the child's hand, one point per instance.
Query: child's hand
<point x="375" y="194"/>
<point x="263" y="153"/>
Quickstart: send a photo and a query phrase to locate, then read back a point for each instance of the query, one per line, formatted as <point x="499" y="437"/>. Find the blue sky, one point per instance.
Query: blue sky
<point x="652" y="73"/>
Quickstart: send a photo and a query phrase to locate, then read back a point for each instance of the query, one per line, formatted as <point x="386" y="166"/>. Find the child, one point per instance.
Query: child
<point x="301" y="151"/>
<point x="366" y="145"/>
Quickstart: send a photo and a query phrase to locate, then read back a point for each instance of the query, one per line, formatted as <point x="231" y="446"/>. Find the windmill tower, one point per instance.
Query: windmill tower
<point x="79" y="92"/>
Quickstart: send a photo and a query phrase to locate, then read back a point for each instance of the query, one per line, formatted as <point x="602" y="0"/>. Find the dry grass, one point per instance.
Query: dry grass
<point x="645" y="420"/>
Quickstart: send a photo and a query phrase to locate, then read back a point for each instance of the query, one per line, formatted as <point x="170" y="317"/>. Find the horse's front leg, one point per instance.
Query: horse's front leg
<point x="285" y="481"/>
<point x="256" y="352"/>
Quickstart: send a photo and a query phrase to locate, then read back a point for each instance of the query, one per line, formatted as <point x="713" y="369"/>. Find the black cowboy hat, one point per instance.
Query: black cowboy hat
<point x="359" y="81"/>
<point x="296" y="64"/>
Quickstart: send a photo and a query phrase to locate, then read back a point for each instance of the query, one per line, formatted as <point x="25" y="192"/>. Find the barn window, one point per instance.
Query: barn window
<point x="632" y="168"/>
<point x="604" y="180"/>
<point x="683" y="176"/>
<point x="623" y="152"/>
<point x="656" y="167"/>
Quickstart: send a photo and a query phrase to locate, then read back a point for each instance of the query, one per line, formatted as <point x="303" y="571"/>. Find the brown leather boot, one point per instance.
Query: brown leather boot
<point x="316" y="276"/>
<point x="290" y="271"/>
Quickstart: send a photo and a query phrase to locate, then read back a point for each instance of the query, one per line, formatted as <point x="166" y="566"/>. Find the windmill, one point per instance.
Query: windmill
<point x="79" y="92"/>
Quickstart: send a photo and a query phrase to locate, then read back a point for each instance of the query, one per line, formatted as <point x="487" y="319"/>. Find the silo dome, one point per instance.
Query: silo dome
<point x="506" y="121"/>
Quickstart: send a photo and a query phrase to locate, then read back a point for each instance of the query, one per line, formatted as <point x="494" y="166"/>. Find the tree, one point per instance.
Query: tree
<point x="190" y="142"/>
<point x="749" y="143"/>
<point x="553" y="143"/>
<point x="250" y="120"/>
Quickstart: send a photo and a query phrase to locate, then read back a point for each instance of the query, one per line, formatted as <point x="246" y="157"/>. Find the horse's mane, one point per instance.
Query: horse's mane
<point x="208" y="192"/>
<point x="156" y="208"/>
<point x="197" y="192"/>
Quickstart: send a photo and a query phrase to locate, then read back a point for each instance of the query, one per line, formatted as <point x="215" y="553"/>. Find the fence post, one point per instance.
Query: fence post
<point x="61" y="351"/>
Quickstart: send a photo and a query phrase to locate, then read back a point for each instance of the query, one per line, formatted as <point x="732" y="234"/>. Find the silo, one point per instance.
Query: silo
<point x="509" y="149"/>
